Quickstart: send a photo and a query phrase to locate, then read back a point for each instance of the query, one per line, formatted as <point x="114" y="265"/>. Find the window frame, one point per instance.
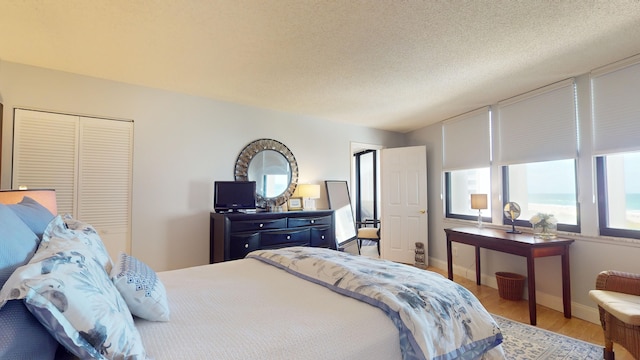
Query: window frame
<point x="524" y="222"/>
<point x="603" y="208"/>
<point x="450" y="215"/>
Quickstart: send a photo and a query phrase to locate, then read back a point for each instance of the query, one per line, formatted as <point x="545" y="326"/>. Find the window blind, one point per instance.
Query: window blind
<point x="615" y="91"/>
<point x="466" y="141"/>
<point x="538" y="126"/>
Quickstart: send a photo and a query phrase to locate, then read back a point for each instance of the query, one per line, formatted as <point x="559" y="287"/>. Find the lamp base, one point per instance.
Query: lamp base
<point x="308" y="204"/>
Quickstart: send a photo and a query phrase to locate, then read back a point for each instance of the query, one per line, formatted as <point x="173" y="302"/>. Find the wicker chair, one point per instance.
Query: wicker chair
<point x="618" y="297"/>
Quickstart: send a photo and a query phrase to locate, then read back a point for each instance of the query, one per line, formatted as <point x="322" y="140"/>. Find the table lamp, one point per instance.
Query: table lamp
<point x="479" y="202"/>
<point x="308" y="193"/>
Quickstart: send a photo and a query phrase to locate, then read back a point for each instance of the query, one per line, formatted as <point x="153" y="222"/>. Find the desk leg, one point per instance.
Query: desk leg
<point x="566" y="284"/>
<point x="449" y="259"/>
<point x="478" y="273"/>
<point x="531" y="277"/>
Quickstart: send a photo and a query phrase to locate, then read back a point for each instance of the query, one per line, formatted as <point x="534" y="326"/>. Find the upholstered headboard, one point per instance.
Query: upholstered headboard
<point x="46" y="197"/>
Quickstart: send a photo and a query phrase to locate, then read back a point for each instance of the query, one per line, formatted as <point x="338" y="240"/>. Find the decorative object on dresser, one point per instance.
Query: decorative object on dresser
<point x="295" y="204"/>
<point x="274" y="169"/>
<point x="234" y="235"/>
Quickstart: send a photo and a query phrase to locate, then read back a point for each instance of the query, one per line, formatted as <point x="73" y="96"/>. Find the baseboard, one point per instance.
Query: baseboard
<point x="580" y="311"/>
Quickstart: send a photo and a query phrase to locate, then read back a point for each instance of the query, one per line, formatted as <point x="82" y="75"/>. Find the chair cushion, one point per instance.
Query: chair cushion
<point x="625" y="307"/>
<point x="370" y="233"/>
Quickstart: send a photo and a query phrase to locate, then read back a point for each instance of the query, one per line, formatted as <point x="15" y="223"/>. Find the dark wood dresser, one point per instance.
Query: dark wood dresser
<point x="234" y="235"/>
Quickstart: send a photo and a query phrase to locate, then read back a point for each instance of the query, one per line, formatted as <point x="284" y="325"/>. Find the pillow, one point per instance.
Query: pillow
<point x="68" y="291"/>
<point x="36" y="216"/>
<point x="141" y="289"/>
<point x="78" y="232"/>
<point x="15" y="322"/>
<point x="17" y="245"/>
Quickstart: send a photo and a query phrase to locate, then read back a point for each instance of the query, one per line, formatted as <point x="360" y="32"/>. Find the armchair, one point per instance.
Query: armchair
<point x="618" y="297"/>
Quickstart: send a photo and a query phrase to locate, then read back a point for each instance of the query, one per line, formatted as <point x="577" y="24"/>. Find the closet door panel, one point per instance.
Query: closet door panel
<point x="45" y="154"/>
<point x="105" y="176"/>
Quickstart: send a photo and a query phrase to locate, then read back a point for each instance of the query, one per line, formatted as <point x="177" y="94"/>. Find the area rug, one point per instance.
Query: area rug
<point x="523" y="341"/>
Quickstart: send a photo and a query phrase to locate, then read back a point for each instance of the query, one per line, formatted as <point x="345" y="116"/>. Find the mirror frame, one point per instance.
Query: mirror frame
<point x="250" y="151"/>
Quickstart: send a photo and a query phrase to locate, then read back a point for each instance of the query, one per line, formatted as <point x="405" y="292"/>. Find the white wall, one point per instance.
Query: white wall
<point x="181" y="145"/>
<point x="589" y="254"/>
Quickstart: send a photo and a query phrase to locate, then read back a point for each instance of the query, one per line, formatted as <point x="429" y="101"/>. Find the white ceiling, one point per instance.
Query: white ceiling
<point x="388" y="64"/>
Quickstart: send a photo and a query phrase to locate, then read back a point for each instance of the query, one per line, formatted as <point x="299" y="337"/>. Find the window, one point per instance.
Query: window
<point x="467" y="172"/>
<point x="619" y="194"/>
<point x="366" y="171"/>
<point x="460" y="184"/>
<point x="616" y="129"/>
<point x="547" y="187"/>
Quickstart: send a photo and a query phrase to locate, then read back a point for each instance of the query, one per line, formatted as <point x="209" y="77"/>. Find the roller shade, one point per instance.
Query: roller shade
<point x="616" y="107"/>
<point x="539" y="125"/>
<point x="466" y="141"/>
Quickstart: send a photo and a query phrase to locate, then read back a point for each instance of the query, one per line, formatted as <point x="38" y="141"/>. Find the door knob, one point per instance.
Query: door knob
<point x="423" y="211"/>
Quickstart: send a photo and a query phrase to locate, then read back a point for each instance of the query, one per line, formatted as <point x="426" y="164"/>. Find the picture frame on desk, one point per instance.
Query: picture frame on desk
<point x="294" y="204"/>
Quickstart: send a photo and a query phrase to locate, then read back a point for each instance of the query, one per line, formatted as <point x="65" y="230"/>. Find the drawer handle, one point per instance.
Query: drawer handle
<point x="288" y="237"/>
<point x="313" y="221"/>
<point x="246" y="246"/>
<point x="322" y="237"/>
<point x="261" y="225"/>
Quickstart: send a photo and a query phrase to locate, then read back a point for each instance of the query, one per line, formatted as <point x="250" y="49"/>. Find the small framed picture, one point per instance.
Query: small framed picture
<point x="295" y="204"/>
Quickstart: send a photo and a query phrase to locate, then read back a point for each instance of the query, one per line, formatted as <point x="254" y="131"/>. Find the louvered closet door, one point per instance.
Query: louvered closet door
<point x="88" y="161"/>
<point x="104" y="181"/>
<point x="45" y="153"/>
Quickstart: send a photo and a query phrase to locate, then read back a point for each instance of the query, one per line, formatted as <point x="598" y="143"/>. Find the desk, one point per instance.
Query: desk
<point x="517" y="244"/>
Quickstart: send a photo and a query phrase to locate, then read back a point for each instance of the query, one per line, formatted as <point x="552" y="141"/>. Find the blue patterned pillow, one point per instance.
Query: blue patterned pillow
<point x="66" y="288"/>
<point x="36" y="216"/>
<point x="141" y="289"/>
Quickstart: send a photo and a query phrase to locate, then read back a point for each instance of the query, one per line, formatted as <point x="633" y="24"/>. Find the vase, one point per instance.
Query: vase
<point x="545" y="231"/>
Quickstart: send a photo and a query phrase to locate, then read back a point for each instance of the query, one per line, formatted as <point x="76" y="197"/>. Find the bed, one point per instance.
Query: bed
<point x="291" y="303"/>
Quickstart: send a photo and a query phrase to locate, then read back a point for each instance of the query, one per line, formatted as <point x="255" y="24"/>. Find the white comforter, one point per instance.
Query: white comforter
<point x="246" y="309"/>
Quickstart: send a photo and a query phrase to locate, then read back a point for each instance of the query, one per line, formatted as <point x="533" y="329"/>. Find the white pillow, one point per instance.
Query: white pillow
<point x="141" y="289"/>
<point x="67" y="289"/>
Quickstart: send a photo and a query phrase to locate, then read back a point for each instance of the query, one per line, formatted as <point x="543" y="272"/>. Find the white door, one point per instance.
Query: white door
<point x="404" y="202"/>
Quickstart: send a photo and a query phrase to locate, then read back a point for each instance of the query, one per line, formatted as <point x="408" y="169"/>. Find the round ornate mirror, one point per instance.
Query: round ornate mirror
<point x="272" y="166"/>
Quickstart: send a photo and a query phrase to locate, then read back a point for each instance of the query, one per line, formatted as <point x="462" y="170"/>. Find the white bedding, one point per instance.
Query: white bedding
<point x="246" y="309"/>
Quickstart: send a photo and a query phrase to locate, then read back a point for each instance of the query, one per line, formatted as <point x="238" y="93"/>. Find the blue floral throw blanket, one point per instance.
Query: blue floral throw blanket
<point x="436" y="318"/>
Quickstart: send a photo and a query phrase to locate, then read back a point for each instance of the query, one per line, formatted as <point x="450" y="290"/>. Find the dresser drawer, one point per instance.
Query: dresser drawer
<point x="308" y="221"/>
<point x="269" y="238"/>
<point x="258" y="224"/>
<point x="242" y="244"/>
<point x="321" y="236"/>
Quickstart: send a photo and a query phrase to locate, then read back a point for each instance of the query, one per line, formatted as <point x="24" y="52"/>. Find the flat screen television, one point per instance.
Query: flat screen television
<point x="234" y="195"/>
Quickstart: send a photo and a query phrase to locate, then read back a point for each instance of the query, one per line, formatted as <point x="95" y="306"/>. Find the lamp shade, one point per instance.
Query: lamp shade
<point x="478" y="201"/>
<point x="309" y="191"/>
<point x="45" y="197"/>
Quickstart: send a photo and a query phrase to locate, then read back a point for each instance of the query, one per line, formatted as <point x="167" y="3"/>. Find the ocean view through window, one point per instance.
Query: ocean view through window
<point x="544" y="187"/>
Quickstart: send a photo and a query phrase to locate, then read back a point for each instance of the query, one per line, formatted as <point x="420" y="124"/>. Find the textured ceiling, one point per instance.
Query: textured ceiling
<point x="388" y="64"/>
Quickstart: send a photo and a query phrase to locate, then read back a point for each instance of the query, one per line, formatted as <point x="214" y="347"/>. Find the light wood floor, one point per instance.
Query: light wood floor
<point x="547" y="318"/>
